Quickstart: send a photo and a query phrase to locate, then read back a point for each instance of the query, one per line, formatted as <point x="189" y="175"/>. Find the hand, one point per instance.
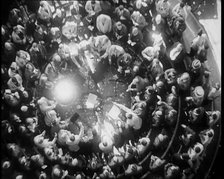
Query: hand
<point x="54" y="105"/>
<point x="110" y="62"/>
<point x="43" y="133"/>
<point x="217" y="86"/>
<point x="127" y="71"/>
<point x="119" y="69"/>
<point x="133" y="43"/>
<point x="80" y="124"/>
<point x="66" y="172"/>
<point x="8" y="91"/>
<point x="16" y="94"/>
<point x="188" y="99"/>
<point x="183" y="125"/>
<point x="131" y="89"/>
<point x="99" y="59"/>
<point x="55" y="135"/>
<point x="173" y="89"/>
<point x="32" y="104"/>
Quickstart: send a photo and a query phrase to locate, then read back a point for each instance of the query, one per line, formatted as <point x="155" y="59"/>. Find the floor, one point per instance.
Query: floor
<point x="213" y="28"/>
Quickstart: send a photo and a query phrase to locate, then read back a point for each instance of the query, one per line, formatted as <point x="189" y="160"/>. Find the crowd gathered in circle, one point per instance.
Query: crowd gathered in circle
<point x="142" y="40"/>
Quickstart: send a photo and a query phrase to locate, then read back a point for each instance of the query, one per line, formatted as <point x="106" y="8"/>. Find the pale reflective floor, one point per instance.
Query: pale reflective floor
<point x="213" y="28"/>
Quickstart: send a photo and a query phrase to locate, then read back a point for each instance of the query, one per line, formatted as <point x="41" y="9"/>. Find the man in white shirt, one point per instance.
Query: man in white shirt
<point x="100" y="44"/>
<point x="15" y="83"/>
<point x="199" y="46"/>
<point x="133" y="121"/>
<point x="195" y="155"/>
<point x="150" y="53"/>
<point x="143" y="145"/>
<point x="138" y="84"/>
<point x="106" y="145"/>
<point x="51" y="118"/>
<point x="41" y="142"/>
<point x="114" y="51"/>
<point x="176" y="51"/>
<point x="46" y="105"/>
<point x="206" y="137"/>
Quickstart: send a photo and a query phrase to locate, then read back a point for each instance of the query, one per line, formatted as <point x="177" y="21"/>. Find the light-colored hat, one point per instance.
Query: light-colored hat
<point x="158" y="19"/>
<point x="196" y="64"/>
<point x="135" y="31"/>
<point x="199" y="91"/>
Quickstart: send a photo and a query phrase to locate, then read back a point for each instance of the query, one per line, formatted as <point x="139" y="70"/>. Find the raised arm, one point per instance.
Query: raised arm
<point x="54" y="140"/>
<point x="81" y="132"/>
<point x="123" y="107"/>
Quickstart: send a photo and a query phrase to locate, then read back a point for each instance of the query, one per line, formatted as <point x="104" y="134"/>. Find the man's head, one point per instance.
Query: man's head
<point x="128" y="115"/>
<point x="42" y="175"/>
<point x="130" y="150"/>
<point x="135" y="31"/>
<point x="119" y="25"/>
<point x="72" y="137"/>
<point x="78" y="176"/>
<point x="48" y="152"/>
<point x="197" y="149"/>
<point x="182" y="4"/>
<point x="200" y="32"/>
<point x="105" y="143"/>
<point x="8" y="46"/>
<point x="22" y="128"/>
<point x="210" y="134"/>
<point x="40" y="140"/>
<point x="144" y="142"/>
<point x="93" y="1"/>
<point x="121" y="7"/>
<point x="57" y="172"/>
<point x="158" y="19"/>
<point x="170" y="75"/>
<point x="196" y="65"/>
<point x="184" y="80"/>
<point x="20" y="176"/>
<point x="35" y="46"/>
<point x="6" y="164"/>
<point x="2" y="31"/>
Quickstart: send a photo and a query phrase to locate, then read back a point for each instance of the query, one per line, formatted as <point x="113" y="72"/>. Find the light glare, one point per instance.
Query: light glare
<point x="65" y="91"/>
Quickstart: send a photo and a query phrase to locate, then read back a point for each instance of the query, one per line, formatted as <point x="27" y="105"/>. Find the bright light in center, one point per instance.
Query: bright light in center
<point x="156" y="37"/>
<point x="65" y="91"/>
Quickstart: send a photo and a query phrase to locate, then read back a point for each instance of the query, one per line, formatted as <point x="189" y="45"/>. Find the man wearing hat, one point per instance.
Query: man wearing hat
<point x="15" y="83"/>
<point x="199" y="75"/>
<point x="135" y="39"/>
<point x="93" y="7"/>
<point x="104" y="23"/>
<point x="120" y="32"/>
<point x="198" y="95"/>
<point x="195" y="154"/>
<point x="138" y="20"/>
<point x="184" y="81"/>
<point x="199" y="46"/>
<point x="13" y="70"/>
<point x="9" y="53"/>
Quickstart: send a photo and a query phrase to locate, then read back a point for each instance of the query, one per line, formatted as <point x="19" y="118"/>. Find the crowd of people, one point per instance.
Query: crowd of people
<point x="142" y="40"/>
